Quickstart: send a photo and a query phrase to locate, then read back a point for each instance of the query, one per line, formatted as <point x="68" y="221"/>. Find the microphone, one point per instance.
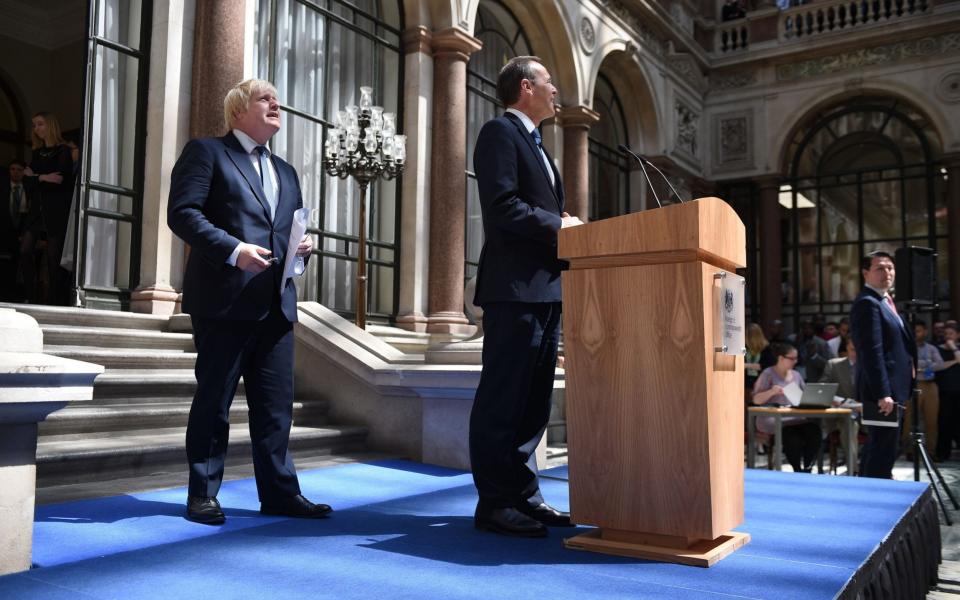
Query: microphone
<point x="623" y="148"/>
<point x="642" y="160"/>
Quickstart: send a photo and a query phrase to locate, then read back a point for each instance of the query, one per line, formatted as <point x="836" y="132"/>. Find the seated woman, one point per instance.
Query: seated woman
<point x="801" y="437"/>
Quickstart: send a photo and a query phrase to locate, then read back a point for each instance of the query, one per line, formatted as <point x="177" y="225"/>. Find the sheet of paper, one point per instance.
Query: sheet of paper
<point x="293" y="265"/>
<point x="793" y="393"/>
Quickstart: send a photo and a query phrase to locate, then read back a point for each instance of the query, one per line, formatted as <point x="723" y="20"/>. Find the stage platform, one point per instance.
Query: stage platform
<point x="405" y="530"/>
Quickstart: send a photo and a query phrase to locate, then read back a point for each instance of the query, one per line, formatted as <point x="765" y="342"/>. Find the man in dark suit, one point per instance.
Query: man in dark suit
<point x="518" y="286"/>
<point x="18" y="215"/>
<point x="886" y="354"/>
<point x="233" y="202"/>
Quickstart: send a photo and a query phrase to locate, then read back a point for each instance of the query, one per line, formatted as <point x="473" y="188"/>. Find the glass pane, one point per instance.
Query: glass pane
<point x="338" y="285"/>
<point x="119" y="21"/>
<point x="839" y="218"/>
<point x="915" y="196"/>
<point x="841" y="272"/>
<point x="382" y="211"/>
<point x="107" y="253"/>
<point x="809" y="276"/>
<point x="307" y="284"/>
<point x="300" y="143"/>
<point x="112" y="202"/>
<point x="940" y="199"/>
<point x="113" y="128"/>
<point x="881" y="210"/>
<point x="804" y="202"/>
<point x="474" y="225"/>
<point x="380" y="289"/>
<point x="786" y="277"/>
<point x="943" y="269"/>
<point x="299" y="56"/>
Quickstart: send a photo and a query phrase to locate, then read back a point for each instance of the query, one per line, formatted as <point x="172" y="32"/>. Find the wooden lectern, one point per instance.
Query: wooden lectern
<point x="654" y="412"/>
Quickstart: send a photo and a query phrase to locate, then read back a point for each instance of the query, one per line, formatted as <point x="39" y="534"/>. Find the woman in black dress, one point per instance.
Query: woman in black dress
<point x="52" y="166"/>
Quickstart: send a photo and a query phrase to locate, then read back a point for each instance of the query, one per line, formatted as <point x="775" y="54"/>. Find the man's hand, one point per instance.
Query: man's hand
<point x="306" y="246"/>
<point x="886" y="405"/>
<point x="253" y="258"/>
<point x="569" y="221"/>
<point x="51" y="178"/>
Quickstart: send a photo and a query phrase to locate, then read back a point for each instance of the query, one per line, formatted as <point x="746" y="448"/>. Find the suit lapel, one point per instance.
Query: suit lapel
<point x="242" y="161"/>
<point x="538" y="158"/>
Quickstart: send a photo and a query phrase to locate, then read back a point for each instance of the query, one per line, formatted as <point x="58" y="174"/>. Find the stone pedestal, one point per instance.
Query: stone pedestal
<point x="32" y="385"/>
<point x="448" y="186"/>
<point x="576" y="122"/>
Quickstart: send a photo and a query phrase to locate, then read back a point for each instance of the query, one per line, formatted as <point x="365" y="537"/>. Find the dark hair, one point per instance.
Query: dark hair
<point x="516" y="70"/>
<point x="952" y="326"/>
<point x="782" y="348"/>
<point x="16" y="161"/>
<point x="920" y="322"/>
<point x="867" y="260"/>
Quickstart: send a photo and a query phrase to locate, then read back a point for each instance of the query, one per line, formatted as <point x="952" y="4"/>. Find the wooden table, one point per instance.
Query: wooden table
<point x="779" y="412"/>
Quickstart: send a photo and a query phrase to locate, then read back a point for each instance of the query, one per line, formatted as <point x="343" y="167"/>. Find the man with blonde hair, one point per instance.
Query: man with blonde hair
<point x="233" y="202"/>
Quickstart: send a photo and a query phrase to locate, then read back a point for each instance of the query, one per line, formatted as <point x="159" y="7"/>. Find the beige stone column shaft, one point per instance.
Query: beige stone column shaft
<point x="448" y="185"/>
<point x="769" y="268"/>
<point x="952" y="191"/>
<point x="415" y="205"/>
<point x="168" y="114"/>
<point x="576" y="122"/>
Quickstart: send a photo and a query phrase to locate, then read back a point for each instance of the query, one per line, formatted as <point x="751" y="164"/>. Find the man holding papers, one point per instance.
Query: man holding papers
<point x="782" y="385"/>
<point x="234" y="202"/>
<point x="886" y="353"/>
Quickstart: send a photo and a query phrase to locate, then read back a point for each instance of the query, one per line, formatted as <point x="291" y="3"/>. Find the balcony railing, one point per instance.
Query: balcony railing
<point x="732" y="36"/>
<point x="828" y="16"/>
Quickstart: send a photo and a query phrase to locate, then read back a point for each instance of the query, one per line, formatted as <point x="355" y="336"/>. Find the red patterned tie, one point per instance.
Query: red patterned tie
<point x="890" y="303"/>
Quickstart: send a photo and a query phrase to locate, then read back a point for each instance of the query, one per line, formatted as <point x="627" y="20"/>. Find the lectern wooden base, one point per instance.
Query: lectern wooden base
<point x="697" y="553"/>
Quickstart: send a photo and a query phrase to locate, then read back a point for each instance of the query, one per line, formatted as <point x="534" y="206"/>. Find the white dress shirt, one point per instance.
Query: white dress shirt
<point x="250" y="147"/>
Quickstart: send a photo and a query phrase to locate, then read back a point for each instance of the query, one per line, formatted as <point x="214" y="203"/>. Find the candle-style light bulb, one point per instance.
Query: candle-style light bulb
<point x="366" y="98"/>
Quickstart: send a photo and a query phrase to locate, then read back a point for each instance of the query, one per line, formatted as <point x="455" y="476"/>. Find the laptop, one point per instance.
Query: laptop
<point x="818" y="395"/>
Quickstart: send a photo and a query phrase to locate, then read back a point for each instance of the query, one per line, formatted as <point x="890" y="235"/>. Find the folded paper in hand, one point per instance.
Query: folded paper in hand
<point x="293" y="265"/>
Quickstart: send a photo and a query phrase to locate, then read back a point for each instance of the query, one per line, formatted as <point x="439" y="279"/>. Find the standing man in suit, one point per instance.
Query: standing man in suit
<point x="518" y="286"/>
<point x="18" y="216"/>
<point x="233" y="202"/>
<point x="886" y="354"/>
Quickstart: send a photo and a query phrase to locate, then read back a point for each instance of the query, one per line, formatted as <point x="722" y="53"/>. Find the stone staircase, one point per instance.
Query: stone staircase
<point x="134" y="426"/>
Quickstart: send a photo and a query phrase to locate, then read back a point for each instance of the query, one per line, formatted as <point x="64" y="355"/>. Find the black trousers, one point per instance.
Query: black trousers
<point x="262" y="352"/>
<point x="512" y="404"/>
<point x="880" y="452"/>
<point x="948" y="423"/>
<point x="801" y="442"/>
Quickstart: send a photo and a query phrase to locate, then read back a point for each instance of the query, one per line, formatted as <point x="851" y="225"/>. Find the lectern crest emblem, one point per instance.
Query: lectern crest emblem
<point x="728" y="301"/>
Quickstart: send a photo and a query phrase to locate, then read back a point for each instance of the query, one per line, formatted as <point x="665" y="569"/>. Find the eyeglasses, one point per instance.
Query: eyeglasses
<point x="793" y="358"/>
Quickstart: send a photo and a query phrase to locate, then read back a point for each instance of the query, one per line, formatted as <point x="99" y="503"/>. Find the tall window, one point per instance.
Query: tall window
<point x="113" y="148"/>
<point x="502" y="38"/>
<point x="862" y="178"/>
<point x="318" y="53"/>
<point x="609" y="169"/>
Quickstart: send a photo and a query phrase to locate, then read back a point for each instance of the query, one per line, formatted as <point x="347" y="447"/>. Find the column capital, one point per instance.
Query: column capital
<point x="769" y="180"/>
<point x="951" y="161"/>
<point x="577" y="116"/>
<point x="417" y="39"/>
<point x="455" y="42"/>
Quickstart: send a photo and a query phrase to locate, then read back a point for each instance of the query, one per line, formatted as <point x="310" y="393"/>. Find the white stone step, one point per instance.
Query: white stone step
<point x="146" y="383"/>
<point x="110" y="337"/>
<point x="63" y="459"/>
<point x="63" y="315"/>
<point x="81" y="420"/>
<point x="126" y="358"/>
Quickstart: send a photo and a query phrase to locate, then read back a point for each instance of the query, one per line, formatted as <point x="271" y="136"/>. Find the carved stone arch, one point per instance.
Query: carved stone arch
<point x="630" y="78"/>
<point x="435" y="15"/>
<point x="876" y="89"/>
<point x="547" y="28"/>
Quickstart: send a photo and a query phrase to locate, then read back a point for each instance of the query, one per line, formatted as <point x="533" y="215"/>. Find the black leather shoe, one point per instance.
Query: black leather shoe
<point x="508" y="521"/>
<point x="204" y="510"/>
<point x="295" y="506"/>
<point x="546" y="514"/>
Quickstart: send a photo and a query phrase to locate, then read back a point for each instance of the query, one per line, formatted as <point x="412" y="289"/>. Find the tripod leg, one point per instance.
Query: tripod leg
<point x="933" y="468"/>
<point x="936" y="490"/>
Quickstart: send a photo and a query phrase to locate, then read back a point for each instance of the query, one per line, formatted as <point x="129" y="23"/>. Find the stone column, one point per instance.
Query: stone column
<point x="161" y="253"/>
<point x="768" y="271"/>
<point x="576" y="122"/>
<point x="218" y="50"/>
<point x="952" y="191"/>
<point x="448" y="186"/>
<point x="414" y="218"/>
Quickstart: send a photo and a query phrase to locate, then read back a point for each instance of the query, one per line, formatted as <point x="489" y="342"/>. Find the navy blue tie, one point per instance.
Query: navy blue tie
<point x="537" y="138"/>
<point x="266" y="181"/>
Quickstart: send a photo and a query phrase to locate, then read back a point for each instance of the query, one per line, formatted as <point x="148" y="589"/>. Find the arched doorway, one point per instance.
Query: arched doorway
<point x="862" y="176"/>
<point x="609" y="168"/>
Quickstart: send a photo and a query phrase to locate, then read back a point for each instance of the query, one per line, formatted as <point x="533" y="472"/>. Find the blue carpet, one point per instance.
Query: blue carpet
<point x="404" y="530"/>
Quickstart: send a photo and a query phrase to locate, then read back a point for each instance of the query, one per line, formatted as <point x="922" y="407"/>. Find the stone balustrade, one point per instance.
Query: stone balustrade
<point x="827" y="16"/>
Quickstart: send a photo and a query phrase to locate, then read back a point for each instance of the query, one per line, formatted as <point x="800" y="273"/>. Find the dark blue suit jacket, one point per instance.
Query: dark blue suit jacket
<point x="217" y="201"/>
<point x="886" y="351"/>
<point x="521" y="216"/>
